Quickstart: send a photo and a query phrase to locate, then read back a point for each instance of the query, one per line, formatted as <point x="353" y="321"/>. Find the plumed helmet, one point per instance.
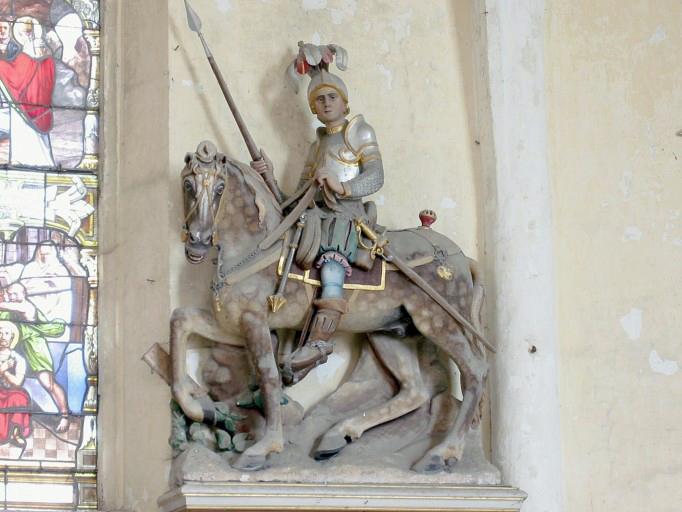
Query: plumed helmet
<point x="314" y="60"/>
<point x="325" y="79"/>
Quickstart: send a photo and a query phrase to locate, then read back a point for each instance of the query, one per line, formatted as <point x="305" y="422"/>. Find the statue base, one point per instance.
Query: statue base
<point x="204" y="497"/>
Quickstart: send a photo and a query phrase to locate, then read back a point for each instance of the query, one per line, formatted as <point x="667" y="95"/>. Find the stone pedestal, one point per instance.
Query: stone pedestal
<point x="199" y="497"/>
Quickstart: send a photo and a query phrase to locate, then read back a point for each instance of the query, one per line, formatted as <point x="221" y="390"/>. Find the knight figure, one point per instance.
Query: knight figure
<point x="345" y="164"/>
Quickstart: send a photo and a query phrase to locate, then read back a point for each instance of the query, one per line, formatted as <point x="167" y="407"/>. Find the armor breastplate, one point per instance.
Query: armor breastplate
<point x="335" y="155"/>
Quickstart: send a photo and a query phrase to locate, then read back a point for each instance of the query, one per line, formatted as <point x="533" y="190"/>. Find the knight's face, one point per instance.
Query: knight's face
<point x="329" y="105"/>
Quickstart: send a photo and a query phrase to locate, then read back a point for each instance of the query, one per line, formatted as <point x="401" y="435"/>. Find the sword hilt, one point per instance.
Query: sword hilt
<point x="378" y="244"/>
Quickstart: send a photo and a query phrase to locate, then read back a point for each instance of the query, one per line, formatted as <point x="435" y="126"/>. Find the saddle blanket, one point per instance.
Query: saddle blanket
<point x="417" y="247"/>
<point x="374" y="279"/>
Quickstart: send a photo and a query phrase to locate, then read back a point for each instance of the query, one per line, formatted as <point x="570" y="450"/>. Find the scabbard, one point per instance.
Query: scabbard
<point x="387" y="253"/>
<point x="431" y="292"/>
<point x="290" y="219"/>
<point x="290" y="255"/>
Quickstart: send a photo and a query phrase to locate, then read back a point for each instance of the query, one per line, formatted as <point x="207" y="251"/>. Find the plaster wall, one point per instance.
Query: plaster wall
<point x="134" y="305"/>
<point x="518" y="252"/>
<point x="613" y="96"/>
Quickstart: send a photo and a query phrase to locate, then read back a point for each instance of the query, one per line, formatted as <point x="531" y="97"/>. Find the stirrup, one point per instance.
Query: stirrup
<point x="324" y="348"/>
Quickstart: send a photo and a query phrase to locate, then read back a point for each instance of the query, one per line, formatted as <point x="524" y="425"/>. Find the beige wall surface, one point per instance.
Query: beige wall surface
<point x="134" y="304"/>
<point x="614" y="103"/>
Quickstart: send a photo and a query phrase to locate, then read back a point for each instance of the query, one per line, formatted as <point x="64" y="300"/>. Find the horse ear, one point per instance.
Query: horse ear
<point x="188" y="158"/>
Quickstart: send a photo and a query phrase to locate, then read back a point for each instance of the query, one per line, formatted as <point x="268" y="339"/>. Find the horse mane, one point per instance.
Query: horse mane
<point x="263" y="197"/>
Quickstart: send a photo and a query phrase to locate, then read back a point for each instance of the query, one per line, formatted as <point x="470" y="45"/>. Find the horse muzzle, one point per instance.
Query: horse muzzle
<point x="196" y="253"/>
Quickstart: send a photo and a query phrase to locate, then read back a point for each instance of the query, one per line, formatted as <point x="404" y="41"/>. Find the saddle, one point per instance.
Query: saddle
<point x="418" y="246"/>
<point x="311" y="238"/>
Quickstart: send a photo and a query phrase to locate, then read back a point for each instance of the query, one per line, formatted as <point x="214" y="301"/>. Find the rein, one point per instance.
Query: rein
<point x="238" y="268"/>
<point x="245" y="266"/>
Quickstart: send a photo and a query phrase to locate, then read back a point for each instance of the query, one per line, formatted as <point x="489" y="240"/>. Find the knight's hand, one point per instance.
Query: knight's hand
<point x="263" y="165"/>
<point x="330" y="182"/>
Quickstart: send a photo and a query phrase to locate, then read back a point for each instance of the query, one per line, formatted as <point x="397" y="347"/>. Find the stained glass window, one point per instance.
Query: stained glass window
<point x="49" y="114"/>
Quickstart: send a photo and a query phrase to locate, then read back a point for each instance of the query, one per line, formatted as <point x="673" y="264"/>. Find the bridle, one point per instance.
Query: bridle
<point x="204" y="176"/>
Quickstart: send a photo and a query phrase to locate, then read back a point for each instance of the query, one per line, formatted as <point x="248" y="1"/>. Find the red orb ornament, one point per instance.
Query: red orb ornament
<point x="427" y="217"/>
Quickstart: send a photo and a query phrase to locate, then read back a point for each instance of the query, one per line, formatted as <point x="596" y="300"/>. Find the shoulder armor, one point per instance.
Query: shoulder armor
<point x="359" y="135"/>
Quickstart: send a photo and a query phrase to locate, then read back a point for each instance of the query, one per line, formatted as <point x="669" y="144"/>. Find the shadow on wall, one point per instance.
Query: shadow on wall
<point x="210" y="111"/>
<point x="469" y="20"/>
<point x="284" y="110"/>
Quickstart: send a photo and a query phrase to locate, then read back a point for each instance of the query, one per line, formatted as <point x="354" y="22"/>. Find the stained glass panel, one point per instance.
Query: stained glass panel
<point x="49" y="83"/>
<point x="57" y="200"/>
<point x="49" y="114"/>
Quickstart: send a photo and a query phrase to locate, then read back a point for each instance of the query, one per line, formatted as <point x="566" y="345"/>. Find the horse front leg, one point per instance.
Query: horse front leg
<point x="259" y="344"/>
<point x="186" y="321"/>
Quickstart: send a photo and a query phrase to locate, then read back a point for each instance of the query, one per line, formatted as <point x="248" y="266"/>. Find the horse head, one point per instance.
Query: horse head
<point x="203" y="183"/>
<point x="223" y="199"/>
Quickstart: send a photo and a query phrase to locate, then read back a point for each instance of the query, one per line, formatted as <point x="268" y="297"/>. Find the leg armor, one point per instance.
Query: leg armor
<point x="330" y="307"/>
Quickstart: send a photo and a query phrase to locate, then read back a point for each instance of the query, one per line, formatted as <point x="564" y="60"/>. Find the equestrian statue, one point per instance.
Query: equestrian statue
<point x="273" y="250"/>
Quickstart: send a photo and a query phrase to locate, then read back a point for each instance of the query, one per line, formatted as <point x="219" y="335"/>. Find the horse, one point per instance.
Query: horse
<point x="228" y="205"/>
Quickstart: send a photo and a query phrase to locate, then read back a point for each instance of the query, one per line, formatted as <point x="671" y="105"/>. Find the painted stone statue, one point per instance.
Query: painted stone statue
<point x="306" y="267"/>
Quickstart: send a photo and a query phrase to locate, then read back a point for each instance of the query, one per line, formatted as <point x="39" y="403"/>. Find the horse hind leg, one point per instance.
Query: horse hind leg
<point x="450" y="338"/>
<point x="400" y="357"/>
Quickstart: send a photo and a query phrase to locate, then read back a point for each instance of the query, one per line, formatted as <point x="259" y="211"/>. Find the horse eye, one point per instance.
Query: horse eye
<point x="220" y="188"/>
<point x="188" y="186"/>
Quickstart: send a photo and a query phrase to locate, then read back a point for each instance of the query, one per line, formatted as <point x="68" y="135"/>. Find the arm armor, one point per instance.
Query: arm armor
<point x="361" y="139"/>
<point x="370" y="180"/>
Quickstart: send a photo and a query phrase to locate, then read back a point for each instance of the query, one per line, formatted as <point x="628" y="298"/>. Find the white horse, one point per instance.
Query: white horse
<point x="227" y="205"/>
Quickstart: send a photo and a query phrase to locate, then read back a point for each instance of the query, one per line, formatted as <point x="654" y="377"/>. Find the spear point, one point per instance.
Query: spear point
<point x="193" y="19"/>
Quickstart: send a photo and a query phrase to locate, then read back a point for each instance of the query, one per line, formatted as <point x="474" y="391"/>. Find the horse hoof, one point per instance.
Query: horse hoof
<point x="452" y="462"/>
<point x="248" y="462"/>
<point x="430" y="464"/>
<point x="329" y="446"/>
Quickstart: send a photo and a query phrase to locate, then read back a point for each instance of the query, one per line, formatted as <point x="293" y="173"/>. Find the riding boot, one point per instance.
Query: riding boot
<point x="323" y="327"/>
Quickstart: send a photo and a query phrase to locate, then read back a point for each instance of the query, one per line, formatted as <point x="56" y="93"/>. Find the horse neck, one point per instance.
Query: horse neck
<point x="247" y="214"/>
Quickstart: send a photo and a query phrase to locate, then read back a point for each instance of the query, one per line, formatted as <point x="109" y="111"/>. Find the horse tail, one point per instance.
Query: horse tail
<point x="478" y="296"/>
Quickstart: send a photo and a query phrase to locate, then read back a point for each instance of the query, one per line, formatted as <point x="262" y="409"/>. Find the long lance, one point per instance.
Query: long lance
<point x="194" y="23"/>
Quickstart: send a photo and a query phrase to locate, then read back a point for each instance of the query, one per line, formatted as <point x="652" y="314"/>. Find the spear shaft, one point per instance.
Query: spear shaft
<point x="195" y="25"/>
